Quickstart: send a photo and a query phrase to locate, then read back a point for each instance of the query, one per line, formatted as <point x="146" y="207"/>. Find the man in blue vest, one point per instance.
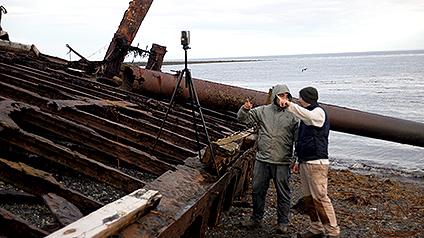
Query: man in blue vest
<point x="312" y="153"/>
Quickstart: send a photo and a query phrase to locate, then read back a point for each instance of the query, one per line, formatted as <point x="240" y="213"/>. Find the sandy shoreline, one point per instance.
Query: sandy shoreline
<point x="366" y="205"/>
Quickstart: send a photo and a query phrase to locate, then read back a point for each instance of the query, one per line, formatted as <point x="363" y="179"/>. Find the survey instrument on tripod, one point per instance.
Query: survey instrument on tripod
<point x="193" y="98"/>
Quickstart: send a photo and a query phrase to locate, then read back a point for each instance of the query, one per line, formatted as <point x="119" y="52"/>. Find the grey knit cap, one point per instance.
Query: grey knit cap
<point x="309" y="94"/>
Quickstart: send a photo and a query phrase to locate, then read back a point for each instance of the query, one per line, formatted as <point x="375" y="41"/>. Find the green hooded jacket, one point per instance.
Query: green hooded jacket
<point x="277" y="129"/>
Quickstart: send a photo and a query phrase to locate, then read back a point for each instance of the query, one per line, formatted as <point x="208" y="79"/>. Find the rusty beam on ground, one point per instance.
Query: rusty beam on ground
<point x="39" y="183"/>
<point x="124" y="36"/>
<point x="215" y="95"/>
<point x="13" y="226"/>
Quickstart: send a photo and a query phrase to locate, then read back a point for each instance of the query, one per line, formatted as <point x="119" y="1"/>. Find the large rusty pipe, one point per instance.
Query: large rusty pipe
<point x="221" y="96"/>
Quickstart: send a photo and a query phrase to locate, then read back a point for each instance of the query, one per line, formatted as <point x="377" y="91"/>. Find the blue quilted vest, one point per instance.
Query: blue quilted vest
<point x="313" y="141"/>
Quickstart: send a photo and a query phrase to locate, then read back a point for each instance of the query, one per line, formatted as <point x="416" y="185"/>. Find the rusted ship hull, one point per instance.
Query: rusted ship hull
<point x="89" y="144"/>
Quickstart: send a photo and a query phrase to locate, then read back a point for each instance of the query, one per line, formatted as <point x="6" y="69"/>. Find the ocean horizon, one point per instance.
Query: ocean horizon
<point x="352" y="53"/>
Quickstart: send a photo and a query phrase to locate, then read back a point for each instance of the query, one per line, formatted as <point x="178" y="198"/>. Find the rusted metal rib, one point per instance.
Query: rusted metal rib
<point x="124" y="36"/>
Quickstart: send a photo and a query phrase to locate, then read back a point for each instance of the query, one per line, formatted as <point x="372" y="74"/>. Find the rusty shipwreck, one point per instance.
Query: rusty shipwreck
<point x="76" y="144"/>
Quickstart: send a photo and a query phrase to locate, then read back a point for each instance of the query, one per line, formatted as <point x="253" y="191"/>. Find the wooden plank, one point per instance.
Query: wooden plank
<point x="111" y="218"/>
<point x="64" y="211"/>
<point x="13" y="226"/>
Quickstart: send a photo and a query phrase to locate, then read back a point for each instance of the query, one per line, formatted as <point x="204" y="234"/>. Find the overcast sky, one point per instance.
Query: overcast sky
<point x="221" y="28"/>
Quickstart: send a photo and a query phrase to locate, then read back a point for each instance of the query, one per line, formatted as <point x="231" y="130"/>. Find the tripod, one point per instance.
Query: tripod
<point x="194" y="101"/>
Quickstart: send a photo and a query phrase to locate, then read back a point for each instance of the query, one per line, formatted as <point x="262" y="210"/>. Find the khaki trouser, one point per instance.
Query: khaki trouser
<point x="314" y="178"/>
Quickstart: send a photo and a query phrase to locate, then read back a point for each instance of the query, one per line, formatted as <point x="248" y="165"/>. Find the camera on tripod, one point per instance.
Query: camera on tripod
<point x="185" y="39"/>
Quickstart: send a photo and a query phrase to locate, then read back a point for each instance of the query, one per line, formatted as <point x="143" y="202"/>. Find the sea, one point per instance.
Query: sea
<point x="386" y="83"/>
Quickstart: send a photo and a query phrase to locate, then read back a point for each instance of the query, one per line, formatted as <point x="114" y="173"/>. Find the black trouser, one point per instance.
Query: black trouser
<point x="262" y="173"/>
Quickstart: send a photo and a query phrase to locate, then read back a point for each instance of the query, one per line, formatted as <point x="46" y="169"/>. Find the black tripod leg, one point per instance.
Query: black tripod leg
<point x="196" y="100"/>
<point x="171" y="103"/>
<point x="192" y="102"/>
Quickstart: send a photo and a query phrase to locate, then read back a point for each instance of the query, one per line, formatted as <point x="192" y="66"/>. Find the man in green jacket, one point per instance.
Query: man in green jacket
<point x="277" y="131"/>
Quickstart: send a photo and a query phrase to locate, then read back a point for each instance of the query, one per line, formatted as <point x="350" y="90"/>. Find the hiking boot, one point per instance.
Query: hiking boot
<point x="251" y="224"/>
<point x="309" y="234"/>
<point x="281" y="228"/>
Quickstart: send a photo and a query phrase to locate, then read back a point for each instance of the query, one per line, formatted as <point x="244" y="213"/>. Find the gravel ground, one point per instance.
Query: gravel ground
<point x="36" y="214"/>
<point x="365" y="205"/>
